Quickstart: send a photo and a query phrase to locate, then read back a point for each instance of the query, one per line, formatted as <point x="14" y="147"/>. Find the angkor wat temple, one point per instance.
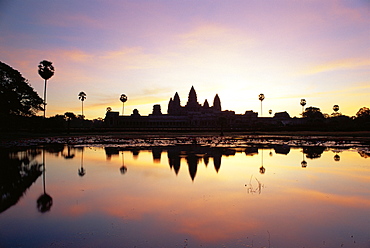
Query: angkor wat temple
<point x="193" y="116"/>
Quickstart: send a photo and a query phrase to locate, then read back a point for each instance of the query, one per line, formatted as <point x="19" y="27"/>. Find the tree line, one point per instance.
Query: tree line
<point x="20" y="104"/>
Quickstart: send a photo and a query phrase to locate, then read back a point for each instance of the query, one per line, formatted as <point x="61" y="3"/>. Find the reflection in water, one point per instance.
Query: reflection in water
<point x="313" y="152"/>
<point x="18" y="171"/>
<point x="45" y="201"/>
<point x="262" y="169"/>
<point x="303" y="163"/>
<point x="336" y="158"/>
<point x="254" y="189"/>
<point x="123" y="168"/>
<point x="158" y="205"/>
<point x="157" y="154"/>
<point x="81" y="170"/>
<point x="281" y="149"/>
<point x="364" y="154"/>
<point x="69" y="155"/>
<point x="194" y="154"/>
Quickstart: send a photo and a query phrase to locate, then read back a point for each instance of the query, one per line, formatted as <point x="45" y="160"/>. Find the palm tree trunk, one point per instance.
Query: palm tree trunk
<point x="45" y="98"/>
<point x="82" y="110"/>
<point x="261" y="108"/>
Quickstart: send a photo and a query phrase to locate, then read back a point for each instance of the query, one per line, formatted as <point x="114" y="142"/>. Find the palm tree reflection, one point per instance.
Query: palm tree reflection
<point x="303" y="163"/>
<point x="262" y="169"/>
<point x="81" y="170"/>
<point x="45" y="201"/>
<point x="336" y="158"/>
<point x="123" y="168"/>
<point x="68" y="155"/>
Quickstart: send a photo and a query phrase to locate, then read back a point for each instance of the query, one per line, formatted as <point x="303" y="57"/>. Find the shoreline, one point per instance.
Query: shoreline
<point x="31" y="139"/>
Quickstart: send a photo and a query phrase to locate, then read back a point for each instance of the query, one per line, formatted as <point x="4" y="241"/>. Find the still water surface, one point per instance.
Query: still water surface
<point x="187" y="196"/>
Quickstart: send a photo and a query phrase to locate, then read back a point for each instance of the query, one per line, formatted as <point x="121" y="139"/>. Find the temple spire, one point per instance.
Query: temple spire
<point x="205" y="104"/>
<point x="192" y="99"/>
<point x="217" y="103"/>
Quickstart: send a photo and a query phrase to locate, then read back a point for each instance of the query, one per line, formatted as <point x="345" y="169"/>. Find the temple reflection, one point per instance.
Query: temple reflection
<point x="19" y="169"/>
<point x="192" y="154"/>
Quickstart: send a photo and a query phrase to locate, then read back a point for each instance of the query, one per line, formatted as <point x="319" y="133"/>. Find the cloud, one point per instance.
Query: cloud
<point x="343" y="64"/>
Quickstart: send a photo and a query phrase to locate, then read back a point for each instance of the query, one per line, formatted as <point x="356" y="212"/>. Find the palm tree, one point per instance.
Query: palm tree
<point x="123" y="99"/>
<point x="46" y="71"/>
<point x="336" y="108"/>
<point x="82" y="97"/>
<point x="303" y="103"/>
<point x="261" y="97"/>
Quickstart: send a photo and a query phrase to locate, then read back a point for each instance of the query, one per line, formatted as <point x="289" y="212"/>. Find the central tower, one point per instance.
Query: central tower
<point x="192" y="104"/>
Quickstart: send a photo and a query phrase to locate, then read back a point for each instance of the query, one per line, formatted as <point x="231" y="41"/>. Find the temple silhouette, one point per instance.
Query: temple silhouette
<point x="194" y="116"/>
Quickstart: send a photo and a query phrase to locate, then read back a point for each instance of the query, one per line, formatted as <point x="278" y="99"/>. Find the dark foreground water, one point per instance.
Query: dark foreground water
<point x="185" y="195"/>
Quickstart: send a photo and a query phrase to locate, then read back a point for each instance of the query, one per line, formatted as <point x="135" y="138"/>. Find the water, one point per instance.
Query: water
<point x="186" y="196"/>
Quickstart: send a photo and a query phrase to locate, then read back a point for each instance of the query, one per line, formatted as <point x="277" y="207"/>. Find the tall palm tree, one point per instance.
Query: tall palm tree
<point x="123" y="99"/>
<point x="303" y="103"/>
<point x="46" y="71"/>
<point x="261" y="97"/>
<point x="82" y="97"/>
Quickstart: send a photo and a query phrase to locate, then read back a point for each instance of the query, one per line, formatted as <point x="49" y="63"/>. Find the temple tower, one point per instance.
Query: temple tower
<point x="174" y="107"/>
<point x="192" y="104"/>
<point x="217" y="103"/>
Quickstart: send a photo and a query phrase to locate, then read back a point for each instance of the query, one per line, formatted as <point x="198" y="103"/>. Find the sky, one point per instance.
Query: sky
<point x="150" y="49"/>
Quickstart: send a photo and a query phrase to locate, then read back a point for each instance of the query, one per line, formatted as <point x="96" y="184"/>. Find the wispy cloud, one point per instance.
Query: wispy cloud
<point x="343" y="64"/>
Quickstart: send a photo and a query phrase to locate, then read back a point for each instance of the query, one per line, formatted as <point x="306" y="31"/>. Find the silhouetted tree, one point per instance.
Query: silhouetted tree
<point x="363" y="118"/>
<point x="82" y="97"/>
<point x="363" y="112"/>
<point x="46" y="71"/>
<point x="313" y="113"/>
<point x="261" y="97"/>
<point x="17" y="97"/>
<point x="69" y="116"/>
<point x="123" y="99"/>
